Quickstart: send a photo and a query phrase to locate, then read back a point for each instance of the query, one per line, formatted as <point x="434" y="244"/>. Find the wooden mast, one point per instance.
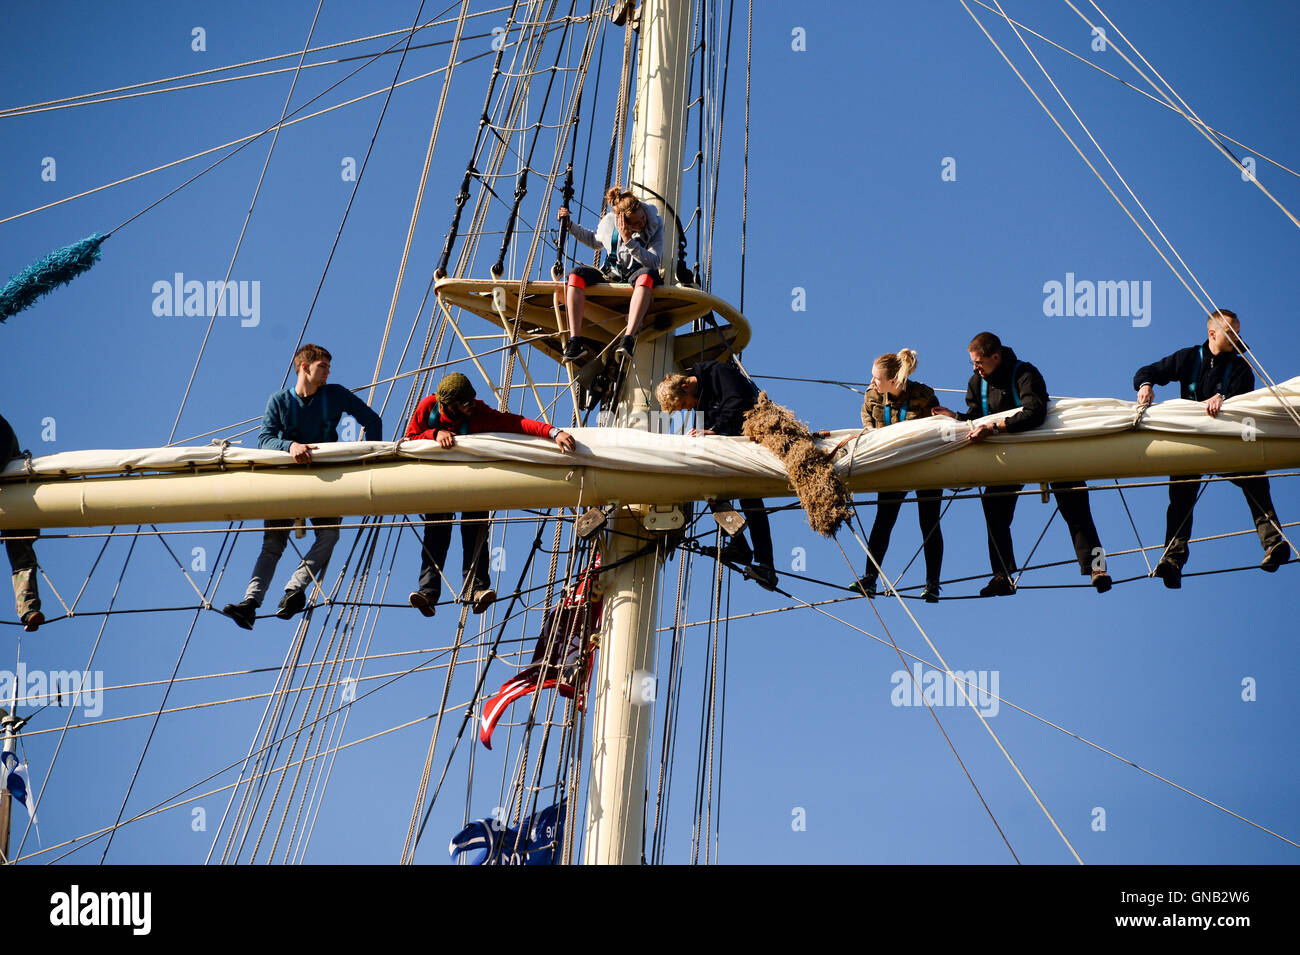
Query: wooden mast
<point x="623" y="685"/>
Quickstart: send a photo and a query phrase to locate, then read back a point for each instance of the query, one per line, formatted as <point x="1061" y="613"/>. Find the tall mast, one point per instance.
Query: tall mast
<point x="620" y="754"/>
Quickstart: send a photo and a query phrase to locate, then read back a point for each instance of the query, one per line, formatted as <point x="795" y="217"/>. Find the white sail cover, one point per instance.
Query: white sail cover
<point x="1258" y="415"/>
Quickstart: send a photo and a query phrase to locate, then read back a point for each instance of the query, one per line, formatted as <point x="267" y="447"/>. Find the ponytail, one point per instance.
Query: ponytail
<point x="898" y="367"/>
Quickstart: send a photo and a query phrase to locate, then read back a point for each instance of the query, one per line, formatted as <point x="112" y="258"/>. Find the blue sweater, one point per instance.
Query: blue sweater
<point x="313" y="420"/>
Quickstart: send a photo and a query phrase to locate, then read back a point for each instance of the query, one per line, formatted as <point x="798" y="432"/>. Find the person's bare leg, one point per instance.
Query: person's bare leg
<point x="575" y="300"/>
<point x="637" y="308"/>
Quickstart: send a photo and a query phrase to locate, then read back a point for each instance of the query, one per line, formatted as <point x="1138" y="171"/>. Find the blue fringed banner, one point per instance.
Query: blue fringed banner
<point x="58" y="268"/>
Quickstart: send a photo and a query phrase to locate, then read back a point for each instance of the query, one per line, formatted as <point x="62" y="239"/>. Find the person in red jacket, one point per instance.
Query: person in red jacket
<point x="440" y="417"/>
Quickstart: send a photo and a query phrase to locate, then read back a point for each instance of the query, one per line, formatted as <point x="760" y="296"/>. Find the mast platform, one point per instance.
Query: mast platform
<point x="543" y="314"/>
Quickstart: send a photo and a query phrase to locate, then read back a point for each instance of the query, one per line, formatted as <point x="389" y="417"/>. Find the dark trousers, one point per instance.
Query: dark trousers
<point x="22" y="560"/>
<point x="999" y="504"/>
<point x="474" y="529"/>
<point x="888" y="504"/>
<point x="760" y="531"/>
<point x="1182" y="500"/>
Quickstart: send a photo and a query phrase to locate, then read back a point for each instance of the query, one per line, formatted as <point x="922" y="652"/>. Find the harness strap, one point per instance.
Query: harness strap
<point x="984" y="389"/>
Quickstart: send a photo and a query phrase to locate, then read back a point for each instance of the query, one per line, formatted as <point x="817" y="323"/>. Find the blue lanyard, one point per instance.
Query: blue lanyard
<point x="902" y="414"/>
<point x="984" y="389"/>
<point x="1196" y="375"/>
<point x="435" y="416"/>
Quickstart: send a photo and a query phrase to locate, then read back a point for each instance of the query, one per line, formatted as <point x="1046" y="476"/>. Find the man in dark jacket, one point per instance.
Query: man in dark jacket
<point x="1209" y="373"/>
<point x="295" y="419"/>
<point x="19" y="544"/>
<point x="454" y="410"/>
<point x="1001" y="383"/>
<point x="721" y="392"/>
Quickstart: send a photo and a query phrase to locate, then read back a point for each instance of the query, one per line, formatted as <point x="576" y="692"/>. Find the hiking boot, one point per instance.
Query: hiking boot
<point x="1170" y="573"/>
<point x="483" y="598"/>
<point x="575" y="351"/>
<point x="32" y="620"/>
<point x="291" y="603"/>
<point x="1101" y="581"/>
<point x="1275" y="557"/>
<point x="626" y="348"/>
<point x="865" y="585"/>
<point x="243" y="613"/>
<point x="931" y="593"/>
<point x="424" y="602"/>
<point x="762" y="574"/>
<point x="999" y="586"/>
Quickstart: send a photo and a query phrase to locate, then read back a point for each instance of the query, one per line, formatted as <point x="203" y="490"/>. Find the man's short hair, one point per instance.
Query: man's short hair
<point x="985" y="343"/>
<point x="310" y="354"/>
<point x="1227" y="313"/>
<point x="671" y="392"/>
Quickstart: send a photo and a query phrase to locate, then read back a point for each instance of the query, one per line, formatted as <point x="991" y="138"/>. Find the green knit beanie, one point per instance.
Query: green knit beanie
<point x="455" y="388"/>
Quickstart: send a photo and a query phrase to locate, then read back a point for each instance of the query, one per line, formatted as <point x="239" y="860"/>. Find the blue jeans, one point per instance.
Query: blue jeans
<point x="313" y="565"/>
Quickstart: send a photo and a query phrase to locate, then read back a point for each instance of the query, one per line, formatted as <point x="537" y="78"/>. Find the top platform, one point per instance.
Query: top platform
<point x="605" y="315"/>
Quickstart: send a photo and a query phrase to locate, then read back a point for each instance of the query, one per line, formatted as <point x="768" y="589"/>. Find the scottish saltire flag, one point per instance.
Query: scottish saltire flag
<point x="487" y="842"/>
<point x="18" y="782"/>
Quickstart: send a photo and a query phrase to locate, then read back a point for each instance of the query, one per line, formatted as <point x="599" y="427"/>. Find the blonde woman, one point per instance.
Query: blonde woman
<point x="631" y="235"/>
<point x="893" y="398"/>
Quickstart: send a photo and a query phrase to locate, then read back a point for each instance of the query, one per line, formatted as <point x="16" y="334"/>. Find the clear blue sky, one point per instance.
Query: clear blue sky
<point x="846" y="201"/>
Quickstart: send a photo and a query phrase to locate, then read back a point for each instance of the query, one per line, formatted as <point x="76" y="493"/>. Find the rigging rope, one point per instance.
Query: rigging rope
<point x="248" y="217"/>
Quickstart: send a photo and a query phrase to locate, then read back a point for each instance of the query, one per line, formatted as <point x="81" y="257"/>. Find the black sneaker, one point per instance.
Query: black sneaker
<point x="243" y="613"/>
<point x="1101" y="581"/>
<point x="626" y="348"/>
<point x="291" y="603"/>
<point x="1170" y="573"/>
<point x="737" y="551"/>
<point x="1275" y="557"/>
<point x="865" y="585"/>
<point x="424" y="602"/>
<point x="575" y="351"/>
<point x="930" y="594"/>
<point x="762" y="574"/>
<point x="32" y="621"/>
<point x="999" y="586"/>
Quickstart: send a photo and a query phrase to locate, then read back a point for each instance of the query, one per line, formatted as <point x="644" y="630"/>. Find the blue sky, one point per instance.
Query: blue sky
<point x="848" y="140"/>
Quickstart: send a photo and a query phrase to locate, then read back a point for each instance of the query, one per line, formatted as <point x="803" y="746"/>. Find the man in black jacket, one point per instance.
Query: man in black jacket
<point x="723" y="394"/>
<point x="22" y="555"/>
<point x="1209" y="373"/>
<point x="1001" y="383"/>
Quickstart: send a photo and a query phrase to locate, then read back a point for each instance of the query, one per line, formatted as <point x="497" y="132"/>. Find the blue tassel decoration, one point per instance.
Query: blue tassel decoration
<point x="58" y="268"/>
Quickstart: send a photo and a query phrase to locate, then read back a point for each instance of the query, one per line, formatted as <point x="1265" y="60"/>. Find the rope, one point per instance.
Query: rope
<point x="1186" y="112"/>
<point x="948" y="670"/>
<point x="149" y="739"/>
<point x="248" y="216"/>
<point x="1272" y="385"/>
<point x="1062" y="729"/>
<point x="361" y="173"/>
<point x="744" y="200"/>
<point x="1142" y="92"/>
<point x="240" y="142"/>
<point x="94" y="649"/>
<point x="35" y="107"/>
<point x="419" y="193"/>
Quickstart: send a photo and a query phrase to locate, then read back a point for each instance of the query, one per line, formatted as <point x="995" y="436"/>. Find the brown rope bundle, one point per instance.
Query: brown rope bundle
<point x="822" y="495"/>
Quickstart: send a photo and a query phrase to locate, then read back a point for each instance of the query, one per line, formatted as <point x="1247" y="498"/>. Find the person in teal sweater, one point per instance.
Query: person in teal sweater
<point x="296" y="420"/>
